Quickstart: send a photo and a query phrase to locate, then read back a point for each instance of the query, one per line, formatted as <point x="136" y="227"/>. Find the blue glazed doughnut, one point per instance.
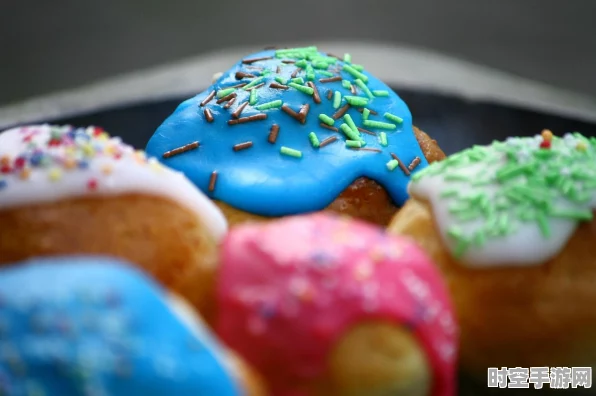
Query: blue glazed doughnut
<point x="284" y="132"/>
<point x="94" y="326"/>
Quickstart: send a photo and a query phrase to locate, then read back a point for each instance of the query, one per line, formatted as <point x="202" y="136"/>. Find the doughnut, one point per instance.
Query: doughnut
<point x="511" y="227"/>
<point x="97" y="326"/>
<point x="293" y="131"/>
<point x="323" y="304"/>
<point x="66" y="190"/>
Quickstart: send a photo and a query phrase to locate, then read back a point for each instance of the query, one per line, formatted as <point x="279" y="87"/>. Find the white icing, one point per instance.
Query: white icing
<point x="525" y="245"/>
<point x="128" y="174"/>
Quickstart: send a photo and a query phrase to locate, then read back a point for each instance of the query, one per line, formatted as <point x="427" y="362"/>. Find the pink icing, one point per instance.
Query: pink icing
<point x="289" y="289"/>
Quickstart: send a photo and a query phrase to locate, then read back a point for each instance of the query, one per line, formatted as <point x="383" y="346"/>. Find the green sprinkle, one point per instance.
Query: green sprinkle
<point x="290" y="152"/>
<point x="281" y="80"/>
<point x="394" y="118"/>
<point x="266" y="72"/>
<point x="302" y="88"/>
<point x="253" y="97"/>
<point x="269" y="105"/>
<point x="356" y="100"/>
<point x="313" y="139"/>
<point x="225" y="92"/>
<point x="379" y="124"/>
<point x="512" y="171"/>
<point x="582" y="215"/>
<point x="301" y="63"/>
<point x="346" y="84"/>
<point x="310" y="76"/>
<point x="326" y="73"/>
<point x="355" y="72"/>
<point x="350" y="122"/>
<point x="336" y="99"/>
<point x="449" y="193"/>
<point x="321" y="65"/>
<point x="345" y="128"/>
<point x="254" y="82"/>
<point x="358" y="67"/>
<point x="311" y="49"/>
<point x="543" y="224"/>
<point x="347" y="58"/>
<point x="380" y="93"/>
<point x="365" y="114"/>
<point x="298" y="80"/>
<point x="383" y="139"/>
<point x="363" y="87"/>
<point x="326" y="119"/>
<point x="353" y="143"/>
<point x="391" y="165"/>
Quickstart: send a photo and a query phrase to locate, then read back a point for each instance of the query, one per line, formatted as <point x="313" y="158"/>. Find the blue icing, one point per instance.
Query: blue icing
<point x="260" y="179"/>
<point x="91" y="326"/>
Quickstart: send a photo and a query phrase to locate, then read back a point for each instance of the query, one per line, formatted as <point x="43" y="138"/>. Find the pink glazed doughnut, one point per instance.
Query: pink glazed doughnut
<point x="297" y="295"/>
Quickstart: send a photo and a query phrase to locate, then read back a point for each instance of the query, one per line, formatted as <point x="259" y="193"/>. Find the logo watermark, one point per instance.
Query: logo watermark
<point x="540" y="377"/>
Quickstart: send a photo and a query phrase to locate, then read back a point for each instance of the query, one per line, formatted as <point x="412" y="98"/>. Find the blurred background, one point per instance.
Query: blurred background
<point x="55" y="45"/>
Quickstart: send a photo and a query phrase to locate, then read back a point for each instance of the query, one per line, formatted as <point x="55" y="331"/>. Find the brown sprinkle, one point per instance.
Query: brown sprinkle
<point x="255" y="87"/>
<point x="329" y="127"/>
<point x="239" y="110"/>
<point x="315" y="95"/>
<point x="226" y="98"/>
<point x="361" y="110"/>
<point x="415" y="162"/>
<point x="353" y="89"/>
<point x="208" y="115"/>
<point x="286" y="109"/>
<point x="230" y="103"/>
<point x="256" y="117"/>
<point x="251" y="67"/>
<point x="401" y="165"/>
<point x="270" y="47"/>
<point x="239" y="85"/>
<point x="366" y="131"/>
<point x="240" y="75"/>
<point x="330" y="79"/>
<point x="295" y="73"/>
<point x="278" y="86"/>
<point x="242" y="146"/>
<point x="278" y="69"/>
<point x="180" y="150"/>
<point x="333" y="56"/>
<point x="288" y="61"/>
<point x="208" y="98"/>
<point x="327" y="141"/>
<point x="374" y="150"/>
<point x="329" y="94"/>
<point x="212" y="181"/>
<point x="253" y="60"/>
<point x="304" y="112"/>
<point x="273" y="132"/>
<point x="342" y="110"/>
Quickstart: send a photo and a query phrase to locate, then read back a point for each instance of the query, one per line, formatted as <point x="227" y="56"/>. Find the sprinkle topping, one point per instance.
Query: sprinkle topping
<point x="493" y="202"/>
<point x="44" y="163"/>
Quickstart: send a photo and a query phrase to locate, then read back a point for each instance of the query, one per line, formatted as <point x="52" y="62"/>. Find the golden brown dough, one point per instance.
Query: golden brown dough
<point x="364" y="199"/>
<point x="161" y="237"/>
<point x="516" y="317"/>
<point x="387" y="354"/>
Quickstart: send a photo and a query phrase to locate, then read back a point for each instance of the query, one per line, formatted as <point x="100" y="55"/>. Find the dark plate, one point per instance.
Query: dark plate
<point x="456" y="123"/>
